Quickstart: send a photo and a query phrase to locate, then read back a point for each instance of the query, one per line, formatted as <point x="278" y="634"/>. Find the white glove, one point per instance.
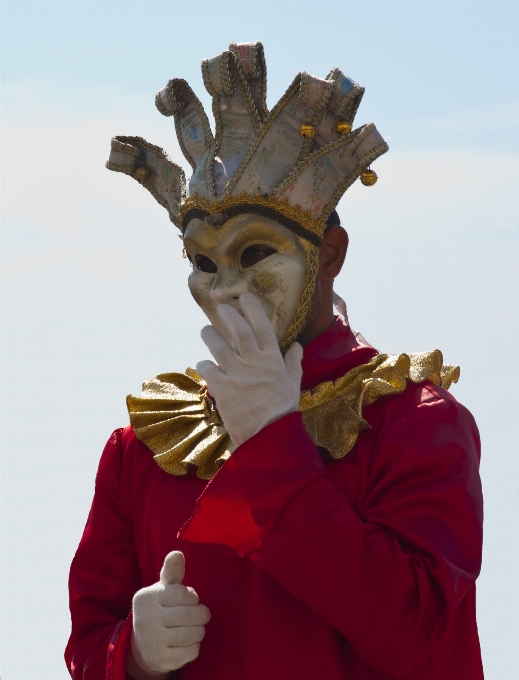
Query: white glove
<point x="253" y="386"/>
<point x="168" y="623"/>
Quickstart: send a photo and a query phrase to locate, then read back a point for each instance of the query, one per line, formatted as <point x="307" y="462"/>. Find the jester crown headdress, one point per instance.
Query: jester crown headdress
<point x="292" y="164"/>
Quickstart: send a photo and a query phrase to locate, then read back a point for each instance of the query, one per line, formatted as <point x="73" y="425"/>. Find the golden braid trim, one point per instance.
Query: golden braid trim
<point x="297" y="325"/>
<point x="291" y="216"/>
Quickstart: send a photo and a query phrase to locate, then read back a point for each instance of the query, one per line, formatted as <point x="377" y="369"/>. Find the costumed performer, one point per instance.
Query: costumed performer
<point x="308" y="506"/>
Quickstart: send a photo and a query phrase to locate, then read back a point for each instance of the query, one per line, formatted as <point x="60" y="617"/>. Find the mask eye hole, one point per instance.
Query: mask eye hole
<point x="254" y="254"/>
<point x="204" y="264"/>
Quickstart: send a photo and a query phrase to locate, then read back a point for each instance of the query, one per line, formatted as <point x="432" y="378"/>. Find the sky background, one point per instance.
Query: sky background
<point x="94" y="289"/>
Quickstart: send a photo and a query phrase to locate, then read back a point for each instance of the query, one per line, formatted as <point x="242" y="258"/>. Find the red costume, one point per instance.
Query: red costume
<point x="357" y="568"/>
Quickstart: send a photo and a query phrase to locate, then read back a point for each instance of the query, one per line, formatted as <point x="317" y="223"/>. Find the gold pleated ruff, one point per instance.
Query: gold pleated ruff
<point x="332" y="412"/>
<point x="179" y="423"/>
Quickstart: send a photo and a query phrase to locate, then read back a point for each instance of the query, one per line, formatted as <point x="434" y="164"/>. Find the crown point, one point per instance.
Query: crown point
<point x="142" y="174"/>
<point x="307" y="130"/>
<point x="342" y="127"/>
<point x="368" y="177"/>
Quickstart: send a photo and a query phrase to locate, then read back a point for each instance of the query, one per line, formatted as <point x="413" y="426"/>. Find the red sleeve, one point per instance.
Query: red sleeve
<point x="103" y="579"/>
<point x="389" y="578"/>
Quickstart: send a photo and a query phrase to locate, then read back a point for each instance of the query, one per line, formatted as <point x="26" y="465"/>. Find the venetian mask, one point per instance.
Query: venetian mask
<point x="246" y="253"/>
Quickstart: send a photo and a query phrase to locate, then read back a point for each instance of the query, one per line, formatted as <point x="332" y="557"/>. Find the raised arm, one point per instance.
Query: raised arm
<point x="389" y="576"/>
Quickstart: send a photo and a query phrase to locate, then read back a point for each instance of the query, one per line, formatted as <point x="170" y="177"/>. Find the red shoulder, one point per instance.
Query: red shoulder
<point x="432" y="401"/>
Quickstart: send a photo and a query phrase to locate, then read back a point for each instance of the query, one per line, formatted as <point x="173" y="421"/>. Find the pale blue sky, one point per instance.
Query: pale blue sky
<point x="94" y="292"/>
<point x="460" y="55"/>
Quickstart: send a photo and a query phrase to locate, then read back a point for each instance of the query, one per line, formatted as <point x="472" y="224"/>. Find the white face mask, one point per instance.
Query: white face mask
<point x="246" y="253"/>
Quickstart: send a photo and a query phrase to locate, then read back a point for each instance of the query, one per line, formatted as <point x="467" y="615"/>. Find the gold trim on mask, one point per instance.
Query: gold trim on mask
<point x="179" y="423"/>
<point x="291" y="216"/>
<point x="298" y="322"/>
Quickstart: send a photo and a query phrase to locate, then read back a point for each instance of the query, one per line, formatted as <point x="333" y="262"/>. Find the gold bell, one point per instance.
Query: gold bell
<point x="142" y="174"/>
<point x="307" y="130"/>
<point x="368" y="177"/>
<point x="342" y="127"/>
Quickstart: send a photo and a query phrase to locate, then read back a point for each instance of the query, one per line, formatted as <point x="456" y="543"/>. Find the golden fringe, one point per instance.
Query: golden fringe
<point x="292" y="212"/>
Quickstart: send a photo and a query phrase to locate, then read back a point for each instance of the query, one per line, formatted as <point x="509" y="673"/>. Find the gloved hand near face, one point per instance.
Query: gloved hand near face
<point x="252" y="385"/>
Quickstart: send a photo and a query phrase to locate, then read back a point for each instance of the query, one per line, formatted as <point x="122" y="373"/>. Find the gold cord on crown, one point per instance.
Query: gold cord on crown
<point x="291" y="216"/>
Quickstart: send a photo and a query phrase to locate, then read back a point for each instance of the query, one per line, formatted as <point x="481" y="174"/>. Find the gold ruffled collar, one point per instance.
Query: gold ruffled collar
<point x="179" y="423"/>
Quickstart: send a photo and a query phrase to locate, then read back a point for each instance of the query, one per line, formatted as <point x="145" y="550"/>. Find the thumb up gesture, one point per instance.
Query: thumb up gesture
<point x="168" y="623"/>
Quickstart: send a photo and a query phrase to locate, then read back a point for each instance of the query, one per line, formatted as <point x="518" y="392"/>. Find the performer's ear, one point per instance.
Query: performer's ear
<point x="332" y="252"/>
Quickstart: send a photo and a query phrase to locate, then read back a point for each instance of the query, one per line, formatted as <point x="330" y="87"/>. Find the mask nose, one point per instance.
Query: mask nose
<point x="227" y="286"/>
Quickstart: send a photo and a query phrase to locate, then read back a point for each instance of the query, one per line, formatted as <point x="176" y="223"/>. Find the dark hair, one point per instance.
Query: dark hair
<point x="333" y="220"/>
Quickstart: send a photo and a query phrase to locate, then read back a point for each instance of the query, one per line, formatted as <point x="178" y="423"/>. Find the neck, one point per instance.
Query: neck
<point x="316" y="329"/>
<point x="321" y="316"/>
<point x="332" y="354"/>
